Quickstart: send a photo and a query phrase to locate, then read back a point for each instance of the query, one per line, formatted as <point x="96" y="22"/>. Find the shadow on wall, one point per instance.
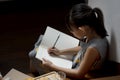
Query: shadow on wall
<point x="113" y="46"/>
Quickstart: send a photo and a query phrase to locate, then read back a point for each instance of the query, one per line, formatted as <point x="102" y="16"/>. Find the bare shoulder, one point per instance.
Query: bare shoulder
<point x="92" y="52"/>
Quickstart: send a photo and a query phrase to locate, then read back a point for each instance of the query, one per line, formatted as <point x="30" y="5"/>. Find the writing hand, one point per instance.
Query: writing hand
<point x="53" y="51"/>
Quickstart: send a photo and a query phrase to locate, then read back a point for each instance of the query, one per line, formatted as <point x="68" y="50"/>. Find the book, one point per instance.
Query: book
<point x="15" y="74"/>
<point x="55" y="38"/>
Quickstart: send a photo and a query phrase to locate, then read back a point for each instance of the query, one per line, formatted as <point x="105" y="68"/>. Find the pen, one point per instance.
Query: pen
<point x="56" y="41"/>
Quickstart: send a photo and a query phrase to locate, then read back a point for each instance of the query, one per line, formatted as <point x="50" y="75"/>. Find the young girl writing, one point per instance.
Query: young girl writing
<point x="87" y="25"/>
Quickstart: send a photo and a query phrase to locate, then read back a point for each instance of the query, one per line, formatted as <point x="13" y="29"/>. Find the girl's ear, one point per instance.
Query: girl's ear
<point x="79" y="28"/>
<point x="82" y="29"/>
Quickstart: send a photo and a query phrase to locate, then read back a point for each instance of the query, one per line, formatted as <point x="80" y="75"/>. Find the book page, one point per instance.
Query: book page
<point x="49" y="37"/>
<point x="65" y="41"/>
<point x="43" y="53"/>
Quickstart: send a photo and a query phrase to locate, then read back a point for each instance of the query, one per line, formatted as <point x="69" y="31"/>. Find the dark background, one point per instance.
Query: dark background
<point x="21" y="23"/>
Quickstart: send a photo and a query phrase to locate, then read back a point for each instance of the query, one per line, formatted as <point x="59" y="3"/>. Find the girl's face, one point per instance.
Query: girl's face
<point x="78" y="32"/>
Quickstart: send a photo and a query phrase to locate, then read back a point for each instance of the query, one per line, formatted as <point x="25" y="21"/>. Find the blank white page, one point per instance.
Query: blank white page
<point x="49" y="37"/>
<point x="43" y="53"/>
<point x="65" y="41"/>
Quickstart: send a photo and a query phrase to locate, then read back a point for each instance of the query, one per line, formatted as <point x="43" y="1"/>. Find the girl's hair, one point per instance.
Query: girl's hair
<point x="82" y="14"/>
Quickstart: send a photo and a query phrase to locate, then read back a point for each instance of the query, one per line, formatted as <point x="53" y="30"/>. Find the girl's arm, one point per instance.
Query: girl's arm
<point x="90" y="57"/>
<point x="65" y="51"/>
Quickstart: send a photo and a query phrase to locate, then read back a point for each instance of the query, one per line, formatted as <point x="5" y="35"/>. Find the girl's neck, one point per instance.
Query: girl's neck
<point x="91" y="36"/>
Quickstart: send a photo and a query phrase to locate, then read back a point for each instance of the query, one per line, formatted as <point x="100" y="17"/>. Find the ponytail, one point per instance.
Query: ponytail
<point x="100" y="22"/>
<point x="99" y="15"/>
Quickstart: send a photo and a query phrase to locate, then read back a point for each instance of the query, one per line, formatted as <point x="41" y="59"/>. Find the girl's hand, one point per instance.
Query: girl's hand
<point x="53" y="51"/>
<point x="46" y="63"/>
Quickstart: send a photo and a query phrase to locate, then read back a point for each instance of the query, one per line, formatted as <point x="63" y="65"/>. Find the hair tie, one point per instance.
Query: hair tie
<point x="95" y="13"/>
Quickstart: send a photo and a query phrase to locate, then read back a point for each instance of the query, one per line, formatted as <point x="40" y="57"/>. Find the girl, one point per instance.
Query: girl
<point x="87" y="25"/>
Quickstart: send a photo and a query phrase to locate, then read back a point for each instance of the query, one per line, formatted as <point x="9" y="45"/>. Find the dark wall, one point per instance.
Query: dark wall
<point x="35" y="5"/>
<point x="21" y="23"/>
<point x="21" y="14"/>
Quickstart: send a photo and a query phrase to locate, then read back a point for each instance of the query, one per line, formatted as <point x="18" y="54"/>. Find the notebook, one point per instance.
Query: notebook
<point x="55" y="38"/>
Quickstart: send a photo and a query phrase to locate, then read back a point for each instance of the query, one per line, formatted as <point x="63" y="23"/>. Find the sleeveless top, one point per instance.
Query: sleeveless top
<point x="100" y="44"/>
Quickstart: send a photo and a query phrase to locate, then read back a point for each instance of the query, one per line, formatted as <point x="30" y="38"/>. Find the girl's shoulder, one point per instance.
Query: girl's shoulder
<point x="99" y="42"/>
<point x="101" y="45"/>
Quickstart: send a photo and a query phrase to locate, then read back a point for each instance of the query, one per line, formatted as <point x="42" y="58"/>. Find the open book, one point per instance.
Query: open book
<point x="59" y="40"/>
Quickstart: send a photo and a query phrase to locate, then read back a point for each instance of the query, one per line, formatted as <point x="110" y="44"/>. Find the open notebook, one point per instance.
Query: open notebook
<point x="60" y="40"/>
